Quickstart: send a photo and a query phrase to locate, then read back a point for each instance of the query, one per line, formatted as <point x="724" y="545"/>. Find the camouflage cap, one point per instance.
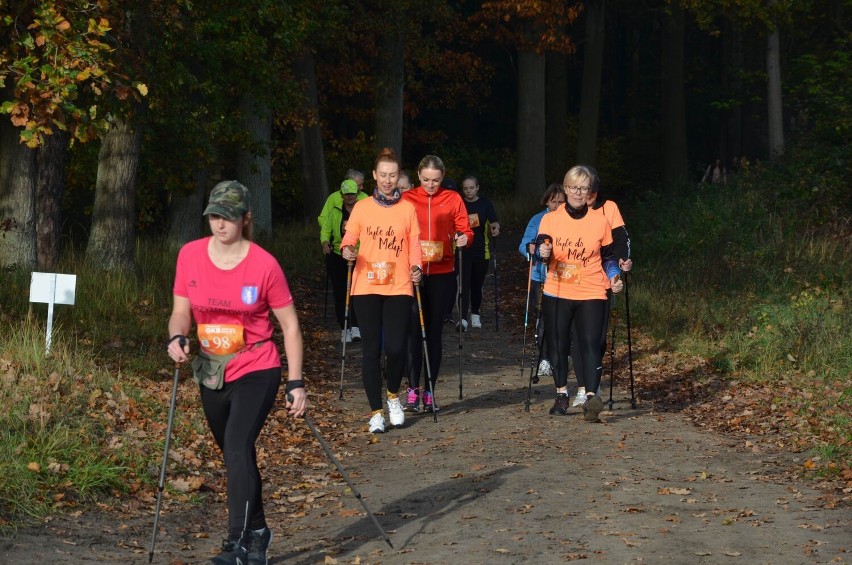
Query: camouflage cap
<point x="228" y="199"/>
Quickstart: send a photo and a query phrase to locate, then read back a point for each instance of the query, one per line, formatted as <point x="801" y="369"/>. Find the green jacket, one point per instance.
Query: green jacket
<point x="330" y="218"/>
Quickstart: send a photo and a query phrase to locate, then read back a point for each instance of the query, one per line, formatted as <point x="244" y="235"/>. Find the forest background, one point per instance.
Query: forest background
<point x="118" y="116"/>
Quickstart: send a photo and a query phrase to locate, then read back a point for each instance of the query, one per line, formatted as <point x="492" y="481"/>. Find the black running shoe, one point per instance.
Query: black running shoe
<point x="592" y="408"/>
<point x="231" y="553"/>
<point x="258" y="546"/>
<point x="561" y="404"/>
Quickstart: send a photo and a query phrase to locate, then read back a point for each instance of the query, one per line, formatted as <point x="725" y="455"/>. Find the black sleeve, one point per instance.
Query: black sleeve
<point x="620" y="243"/>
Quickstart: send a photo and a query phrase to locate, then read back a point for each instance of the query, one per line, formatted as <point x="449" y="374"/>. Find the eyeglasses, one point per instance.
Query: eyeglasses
<point x="576" y="189"/>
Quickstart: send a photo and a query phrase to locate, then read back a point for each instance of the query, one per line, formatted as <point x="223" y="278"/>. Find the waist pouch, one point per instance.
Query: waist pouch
<point x="209" y="370"/>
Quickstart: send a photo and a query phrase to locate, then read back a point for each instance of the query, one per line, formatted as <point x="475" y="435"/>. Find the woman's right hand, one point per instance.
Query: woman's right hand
<point x="544" y="250"/>
<point x="326" y="248"/>
<point x="349" y="253"/>
<point x="178" y="349"/>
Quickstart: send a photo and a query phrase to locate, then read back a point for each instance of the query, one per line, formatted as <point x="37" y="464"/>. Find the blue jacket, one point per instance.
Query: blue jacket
<point x="539" y="271"/>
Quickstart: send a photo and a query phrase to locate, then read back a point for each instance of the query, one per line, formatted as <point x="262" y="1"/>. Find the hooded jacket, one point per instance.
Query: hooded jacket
<point x="440" y="216"/>
<point x="331" y="217"/>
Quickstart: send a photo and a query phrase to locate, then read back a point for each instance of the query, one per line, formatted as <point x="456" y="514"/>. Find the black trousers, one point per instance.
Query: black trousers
<point x="384" y="323"/>
<point x="587" y="316"/>
<point x="236" y="414"/>
<point x="434" y="292"/>
<point x="337" y="274"/>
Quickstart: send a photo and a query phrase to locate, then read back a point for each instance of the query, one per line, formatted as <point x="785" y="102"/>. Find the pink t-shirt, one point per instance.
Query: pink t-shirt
<point x="241" y="296"/>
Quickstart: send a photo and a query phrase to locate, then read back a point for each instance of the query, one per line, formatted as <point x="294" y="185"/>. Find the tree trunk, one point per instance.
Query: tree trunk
<point x="529" y="172"/>
<point x="254" y="162"/>
<point x="17" y="199"/>
<point x="310" y="141"/>
<point x="185" y="220"/>
<point x="773" y="94"/>
<point x="733" y="45"/>
<point x="673" y="99"/>
<point x="112" y="241"/>
<point x="556" y="108"/>
<point x="587" y="134"/>
<point x="389" y="91"/>
<point x="50" y="186"/>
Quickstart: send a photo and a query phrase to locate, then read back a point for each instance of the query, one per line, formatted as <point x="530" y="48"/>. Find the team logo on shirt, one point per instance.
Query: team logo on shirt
<point x="249" y="295"/>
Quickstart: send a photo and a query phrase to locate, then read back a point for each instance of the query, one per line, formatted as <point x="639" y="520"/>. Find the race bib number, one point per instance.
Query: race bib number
<point x="567" y="272"/>
<point x="221" y="339"/>
<point x="432" y="251"/>
<point x="381" y="272"/>
<point x="474" y="220"/>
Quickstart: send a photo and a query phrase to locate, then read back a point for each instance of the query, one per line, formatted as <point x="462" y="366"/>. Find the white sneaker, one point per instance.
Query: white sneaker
<point x="377" y="424"/>
<point x="356" y="334"/>
<point x="346" y="336"/>
<point x="544" y="368"/>
<point x="475" y="321"/>
<point x="463" y="326"/>
<point x="397" y="416"/>
<point x="580" y="399"/>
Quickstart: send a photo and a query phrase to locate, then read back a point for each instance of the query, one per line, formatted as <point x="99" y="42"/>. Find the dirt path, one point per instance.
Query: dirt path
<point x="491" y="483"/>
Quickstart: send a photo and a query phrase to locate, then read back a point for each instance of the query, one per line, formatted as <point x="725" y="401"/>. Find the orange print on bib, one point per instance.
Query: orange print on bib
<point x="567" y="272"/>
<point x="221" y="339"/>
<point x="432" y="251"/>
<point x="381" y="272"/>
<point x="474" y="220"/>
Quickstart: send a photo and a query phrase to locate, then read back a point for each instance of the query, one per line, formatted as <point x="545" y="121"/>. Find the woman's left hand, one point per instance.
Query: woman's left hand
<point x="625" y="264"/>
<point x="297" y="407"/>
<point x="495" y="229"/>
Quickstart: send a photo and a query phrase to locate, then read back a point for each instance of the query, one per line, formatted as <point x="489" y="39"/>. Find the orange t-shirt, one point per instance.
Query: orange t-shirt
<point x="612" y="213"/>
<point x="575" y="271"/>
<point x="390" y="246"/>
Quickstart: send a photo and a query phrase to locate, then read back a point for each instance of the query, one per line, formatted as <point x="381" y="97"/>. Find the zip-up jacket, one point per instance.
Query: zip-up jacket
<point x="440" y="216"/>
<point x="331" y="217"/>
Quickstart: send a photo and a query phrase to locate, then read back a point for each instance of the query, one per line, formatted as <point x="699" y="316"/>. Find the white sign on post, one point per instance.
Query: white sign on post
<point x="52" y="289"/>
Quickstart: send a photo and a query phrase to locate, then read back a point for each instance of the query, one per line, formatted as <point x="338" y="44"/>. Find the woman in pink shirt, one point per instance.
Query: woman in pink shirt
<point x="386" y="263"/>
<point x="228" y="285"/>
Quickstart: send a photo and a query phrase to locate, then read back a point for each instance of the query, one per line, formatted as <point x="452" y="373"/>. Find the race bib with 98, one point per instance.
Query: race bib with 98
<point x="221" y="339"/>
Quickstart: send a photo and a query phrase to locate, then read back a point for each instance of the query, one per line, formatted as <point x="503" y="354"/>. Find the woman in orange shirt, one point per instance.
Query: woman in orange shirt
<point x="386" y="264"/>
<point x="575" y="290"/>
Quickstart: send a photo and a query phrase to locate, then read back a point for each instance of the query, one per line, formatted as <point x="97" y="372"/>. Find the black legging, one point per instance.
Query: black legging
<point x="579" y="361"/>
<point x="434" y="292"/>
<point x="384" y="322"/>
<point x="536" y="317"/>
<point x="236" y="414"/>
<point x="587" y="317"/>
<point x="474" y="270"/>
<point x="337" y="274"/>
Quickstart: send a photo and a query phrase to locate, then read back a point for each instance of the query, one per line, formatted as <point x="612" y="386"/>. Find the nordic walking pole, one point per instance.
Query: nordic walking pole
<point x="426" y="353"/>
<point x="526" y="314"/>
<point x="349" y="266"/>
<point x="342" y="472"/>
<point x="629" y="342"/>
<point x="496" y="312"/>
<point x="542" y="238"/>
<point x="161" y="484"/>
<point x="612" y="320"/>
<point x="462" y="315"/>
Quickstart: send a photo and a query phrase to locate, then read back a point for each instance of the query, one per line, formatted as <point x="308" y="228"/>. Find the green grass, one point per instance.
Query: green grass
<point x="753" y="277"/>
